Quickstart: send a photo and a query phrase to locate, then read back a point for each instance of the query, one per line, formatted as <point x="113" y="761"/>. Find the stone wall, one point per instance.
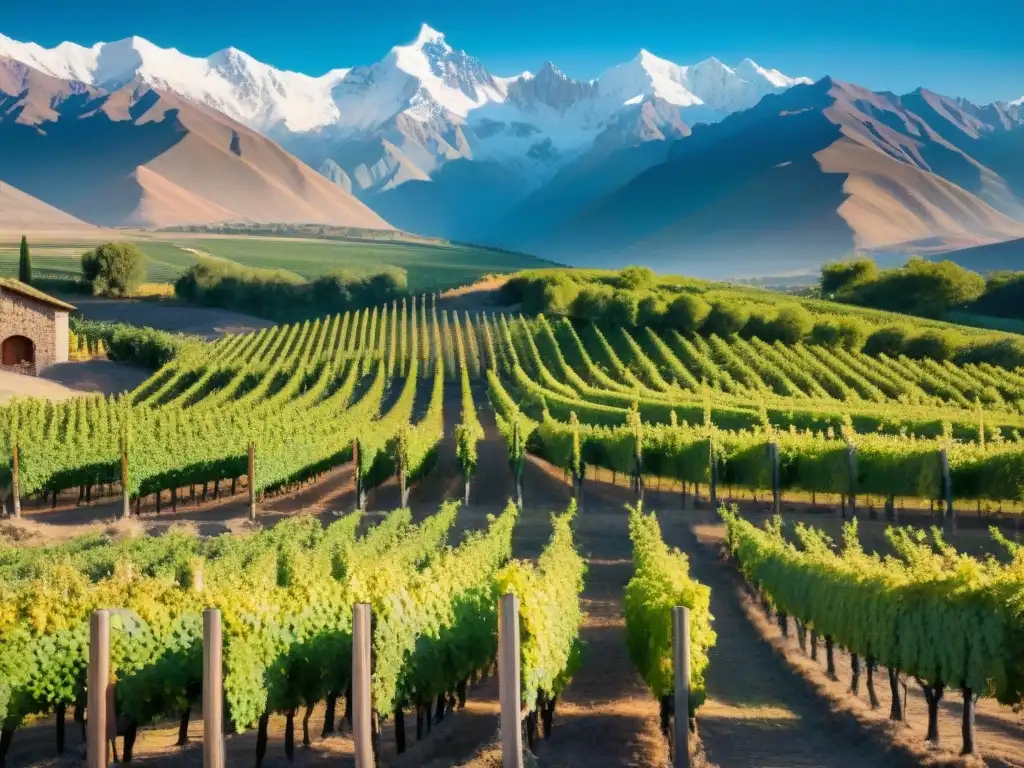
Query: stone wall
<point x="45" y="325"/>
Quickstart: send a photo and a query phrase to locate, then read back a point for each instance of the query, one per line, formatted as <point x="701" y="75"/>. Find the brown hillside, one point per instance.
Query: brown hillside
<point x="23" y="213"/>
<point x="142" y="157"/>
<point x="806" y="175"/>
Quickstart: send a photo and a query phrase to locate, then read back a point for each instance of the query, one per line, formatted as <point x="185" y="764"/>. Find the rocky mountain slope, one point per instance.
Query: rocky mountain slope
<point x="813" y="173"/>
<point x="427" y="105"/>
<point x="140" y="156"/>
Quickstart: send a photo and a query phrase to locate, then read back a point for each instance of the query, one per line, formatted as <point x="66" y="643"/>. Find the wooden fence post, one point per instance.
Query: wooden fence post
<point x="15" y="482"/>
<point x="947" y="490"/>
<point x="773" y="453"/>
<point x="252" y="482"/>
<point x="97" y="744"/>
<point x="126" y="502"/>
<point x="681" y="667"/>
<point x="361" y="704"/>
<point x="851" y="458"/>
<point x="509" y="682"/>
<point x="213" y="691"/>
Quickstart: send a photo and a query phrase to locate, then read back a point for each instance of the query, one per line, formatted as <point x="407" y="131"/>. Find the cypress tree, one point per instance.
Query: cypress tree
<point x="25" y="264"/>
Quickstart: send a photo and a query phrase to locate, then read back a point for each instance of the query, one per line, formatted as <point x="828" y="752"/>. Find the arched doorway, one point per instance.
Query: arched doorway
<point x="18" y="350"/>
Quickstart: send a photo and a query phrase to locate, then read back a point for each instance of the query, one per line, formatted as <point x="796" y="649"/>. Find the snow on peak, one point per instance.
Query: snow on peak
<point x="749" y="70"/>
<point x="428" y="34"/>
<point x="439" y="102"/>
<point x="428" y="77"/>
<point x="647" y="75"/>
<point x="229" y="80"/>
<point x="1018" y="103"/>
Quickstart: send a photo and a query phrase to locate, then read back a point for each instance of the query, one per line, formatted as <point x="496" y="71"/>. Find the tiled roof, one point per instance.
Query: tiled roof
<point x="16" y="286"/>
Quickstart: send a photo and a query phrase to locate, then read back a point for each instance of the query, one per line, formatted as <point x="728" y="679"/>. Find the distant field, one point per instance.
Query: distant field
<point x="430" y="267"/>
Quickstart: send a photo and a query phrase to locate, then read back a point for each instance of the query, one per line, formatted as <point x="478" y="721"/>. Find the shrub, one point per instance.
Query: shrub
<point x="559" y="296"/>
<point x="592" y="302"/>
<point x="687" y="313"/>
<point x="936" y="345"/>
<point x="636" y="278"/>
<point x="282" y="295"/>
<point x="825" y="333"/>
<point x="853" y="333"/>
<point x="887" y="341"/>
<point x="652" y="310"/>
<point x="114" y="269"/>
<point x="726" y="318"/>
<point x="145" y="347"/>
<point x="1006" y="353"/>
<point x="623" y="309"/>
<point x="790" y="325"/>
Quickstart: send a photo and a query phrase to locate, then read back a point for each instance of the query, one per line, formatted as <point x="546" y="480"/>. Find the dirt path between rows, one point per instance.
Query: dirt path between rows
<point x="758" y="712"/>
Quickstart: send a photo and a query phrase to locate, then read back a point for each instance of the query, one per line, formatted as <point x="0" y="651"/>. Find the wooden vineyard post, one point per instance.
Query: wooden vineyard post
<point x="508" y="682"/>
<point x="360" y="502"/>
<point x="97" y="745"/>
<point x="15" y="482"/>
<point x="681" y="668"/>
<point x="713" y="470"/>
<point x="773" y="454"/>
<point x="361" y="705"/>
<point x="947" y="490"/>
<point x="851" y="459"/>
<point x="252" y="482"/>
<point x="126" y="502"/>
<point x="213" y="691"/>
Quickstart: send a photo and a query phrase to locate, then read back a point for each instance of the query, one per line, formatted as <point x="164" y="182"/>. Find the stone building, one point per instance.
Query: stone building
<point x="33" y="328"/>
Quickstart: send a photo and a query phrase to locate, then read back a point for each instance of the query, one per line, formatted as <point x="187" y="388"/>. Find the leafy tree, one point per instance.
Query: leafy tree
<point x="114" y="269"/>
<point x="1004" y="295"/>
<point x="687" y="313"/>
<point x="726" y="318"/>
<point x="840" y="276"/>
<point x="925" y="288"/>
<point x="635" y="278"/>
<point x="25" y="263"/>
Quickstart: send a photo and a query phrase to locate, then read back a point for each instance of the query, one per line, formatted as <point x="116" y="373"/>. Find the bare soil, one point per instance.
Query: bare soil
<point x="168" y="315"/>
<point x="71" y="379"/>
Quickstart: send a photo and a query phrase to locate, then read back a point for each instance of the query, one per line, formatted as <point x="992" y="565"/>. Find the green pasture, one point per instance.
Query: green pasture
<point x="430" y="267"/>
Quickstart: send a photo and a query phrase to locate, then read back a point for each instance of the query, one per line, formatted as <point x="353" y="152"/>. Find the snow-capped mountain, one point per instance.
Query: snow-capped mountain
<point x="426" y="105"/>
<point x="230" y="81"/>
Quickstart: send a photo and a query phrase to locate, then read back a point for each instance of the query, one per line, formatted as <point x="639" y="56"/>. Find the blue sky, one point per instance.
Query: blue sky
<point x="971" y="48"/>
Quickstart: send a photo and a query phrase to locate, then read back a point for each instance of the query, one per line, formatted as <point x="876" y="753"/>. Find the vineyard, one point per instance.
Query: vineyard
<point x="694" y="410"/>
<point x="947" y="621"/>
<point x="268" y="412"/>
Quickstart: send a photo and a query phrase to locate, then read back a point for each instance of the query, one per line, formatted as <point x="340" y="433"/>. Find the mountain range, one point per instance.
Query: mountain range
<point x="651" y="161"/>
